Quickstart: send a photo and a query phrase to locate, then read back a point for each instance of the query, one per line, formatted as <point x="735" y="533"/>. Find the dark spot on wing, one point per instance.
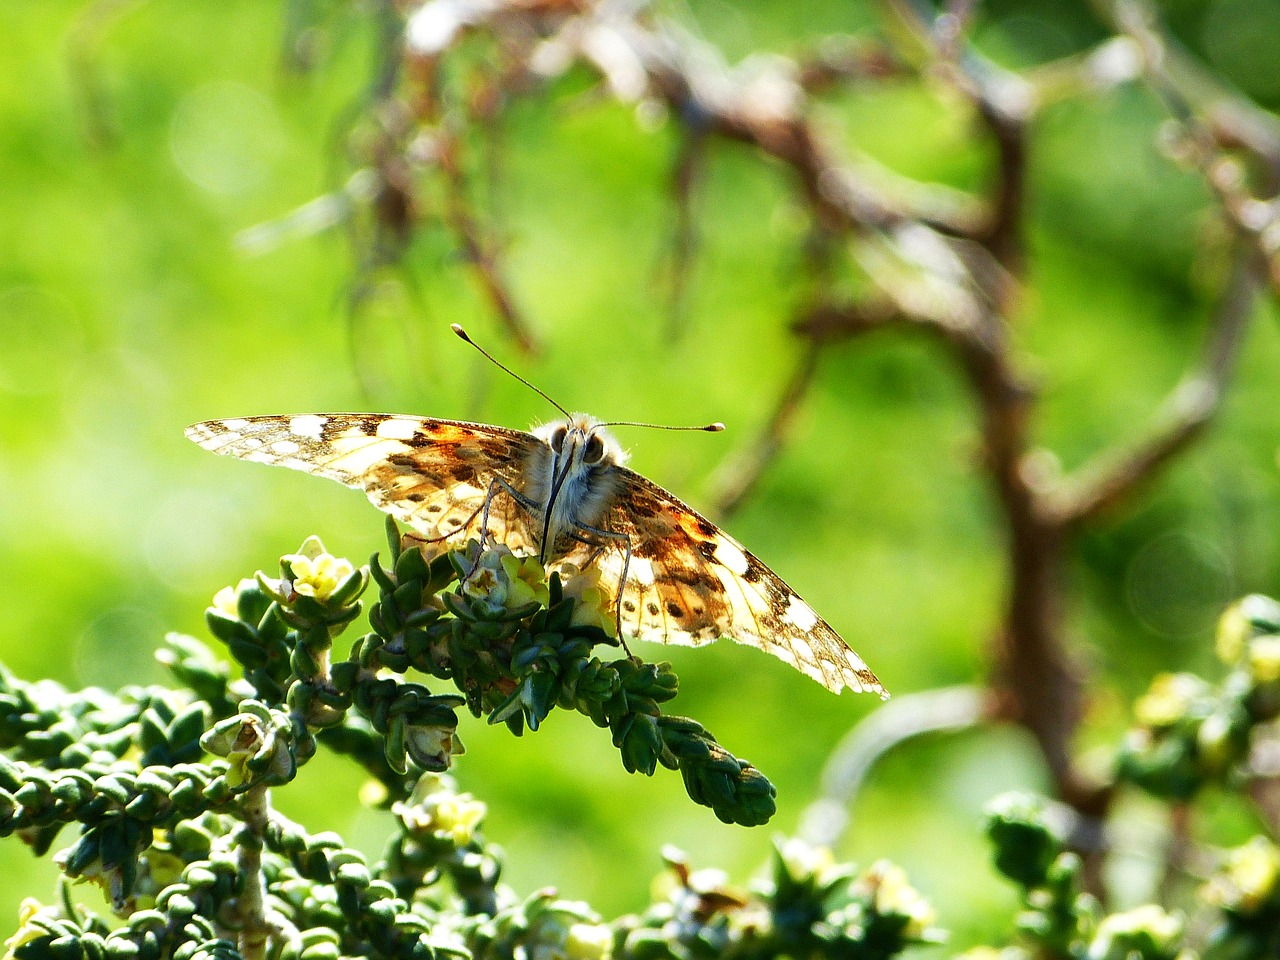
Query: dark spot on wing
<point x="643" y="507"/>
<point x="708" y="549"/>
<point x="416" y="497"/>
<point x="403" y="461"/>
<point x="706" y="527"/>
<point x="628" y="606"/>
<point x="435" y="508"/>
<point x="674" y="609"/>
<point x="652" y="608"/>
<point x="755" y="571"/>
<point x="689" y="576"/>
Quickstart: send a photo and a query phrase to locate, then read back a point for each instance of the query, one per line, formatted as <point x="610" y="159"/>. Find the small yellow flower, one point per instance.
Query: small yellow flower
<point x="28" y="930"/>
<point x="1264" y="659"/>
<point x="803" y="860"/>
<point x="1249" y="878"/>
<point x="1164" y="930"/>
<point x="591" y="603"/>
<point x="501" y="580"/>
<point x="588" y="941"/>
<point x="317" y="576"/>
<point x="892" y="893"/>
<point x="434" y="808"/>
<point x="227" y="600"/>
<point x="1233" y="634"/>
<point x="1168" y="699"/>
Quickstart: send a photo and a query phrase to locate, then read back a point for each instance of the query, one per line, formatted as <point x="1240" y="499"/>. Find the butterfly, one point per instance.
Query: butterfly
<point x="561" y="492"/>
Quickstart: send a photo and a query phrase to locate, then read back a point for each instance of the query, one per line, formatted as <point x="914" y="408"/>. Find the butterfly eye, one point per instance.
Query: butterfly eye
<point x="557" y="438"/>
<point x="594" y="450"/>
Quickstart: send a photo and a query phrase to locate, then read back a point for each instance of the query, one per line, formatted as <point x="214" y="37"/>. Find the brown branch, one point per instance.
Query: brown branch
<point x="842" y="60"/>
<point x="739" y="474"/>
<point x="1188" y="410"/>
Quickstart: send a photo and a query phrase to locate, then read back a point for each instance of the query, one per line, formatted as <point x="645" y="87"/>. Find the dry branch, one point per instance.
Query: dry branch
<point x="945" y="264"/>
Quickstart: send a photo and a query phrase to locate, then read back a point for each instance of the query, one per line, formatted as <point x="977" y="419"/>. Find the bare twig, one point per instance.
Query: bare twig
<point x="738" y="475"/>
<point x="685" y="178"/>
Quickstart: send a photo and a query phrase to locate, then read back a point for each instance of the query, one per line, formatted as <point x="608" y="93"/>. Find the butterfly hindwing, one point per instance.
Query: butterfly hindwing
<point x="688" y="582"/>
<point x="433" y="475"/>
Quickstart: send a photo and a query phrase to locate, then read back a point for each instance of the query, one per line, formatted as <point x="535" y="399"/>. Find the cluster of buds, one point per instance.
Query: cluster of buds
<point x="517" y="642"/>
<point x="1247" y="892"/>
<point x="1189" y="733"/>
<point x="1057" y="917"/>
<point x="809" y="907"/>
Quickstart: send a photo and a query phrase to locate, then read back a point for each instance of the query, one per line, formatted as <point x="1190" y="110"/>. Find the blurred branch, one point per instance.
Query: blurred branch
<point x="686" y="174"/>
<point x="1214" y="124"/>
<point x="839" y="61"/>
<point x="947" y="710"/>
<point x="892" y="252"/>
<point x="738" y="475"/>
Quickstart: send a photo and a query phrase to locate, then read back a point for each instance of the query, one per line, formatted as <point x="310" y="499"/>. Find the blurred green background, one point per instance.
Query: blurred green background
<point x="127" y="311"/>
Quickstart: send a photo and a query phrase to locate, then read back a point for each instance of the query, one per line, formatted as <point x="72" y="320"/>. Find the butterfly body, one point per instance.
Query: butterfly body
<point x="571" y="481"/>
<point x="561" y="492"/>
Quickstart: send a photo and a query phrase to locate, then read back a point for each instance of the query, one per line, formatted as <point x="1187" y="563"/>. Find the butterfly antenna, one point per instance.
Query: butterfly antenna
<point x="708" y="428"/>
<point x="462" y="334"/>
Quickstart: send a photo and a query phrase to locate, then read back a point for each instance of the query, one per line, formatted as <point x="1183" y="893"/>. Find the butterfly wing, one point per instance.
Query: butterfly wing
<point x="432" y="475"/>
<point x="689" y="582"/>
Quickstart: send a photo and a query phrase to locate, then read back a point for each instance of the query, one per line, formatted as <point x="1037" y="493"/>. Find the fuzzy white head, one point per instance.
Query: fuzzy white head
<point x="573" y="479"/>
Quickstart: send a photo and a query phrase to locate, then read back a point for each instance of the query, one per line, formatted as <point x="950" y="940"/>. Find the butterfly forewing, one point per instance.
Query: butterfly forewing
<point x="432" y="475"/>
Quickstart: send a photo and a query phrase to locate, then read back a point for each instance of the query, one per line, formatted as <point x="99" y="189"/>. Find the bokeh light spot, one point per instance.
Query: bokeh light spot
<point x="225" y="137"/>
<point x="115" y="649"/>
<point x="1177" y="584"/>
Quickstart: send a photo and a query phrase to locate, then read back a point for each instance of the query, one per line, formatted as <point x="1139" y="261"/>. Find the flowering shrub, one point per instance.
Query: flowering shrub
<point x="170" y="790"/>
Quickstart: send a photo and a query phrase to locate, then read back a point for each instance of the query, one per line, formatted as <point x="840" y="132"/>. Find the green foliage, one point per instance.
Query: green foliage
<point x="198" y="865"/>
<point x="170" y="791"/>
<point x="128" y="309"/>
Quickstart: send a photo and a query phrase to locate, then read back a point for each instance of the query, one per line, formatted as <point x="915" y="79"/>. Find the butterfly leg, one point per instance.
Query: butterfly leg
<point x="495" y="485"/>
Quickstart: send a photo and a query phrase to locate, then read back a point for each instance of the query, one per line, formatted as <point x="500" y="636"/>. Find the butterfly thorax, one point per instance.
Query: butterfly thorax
<point x="572" y="478"/>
